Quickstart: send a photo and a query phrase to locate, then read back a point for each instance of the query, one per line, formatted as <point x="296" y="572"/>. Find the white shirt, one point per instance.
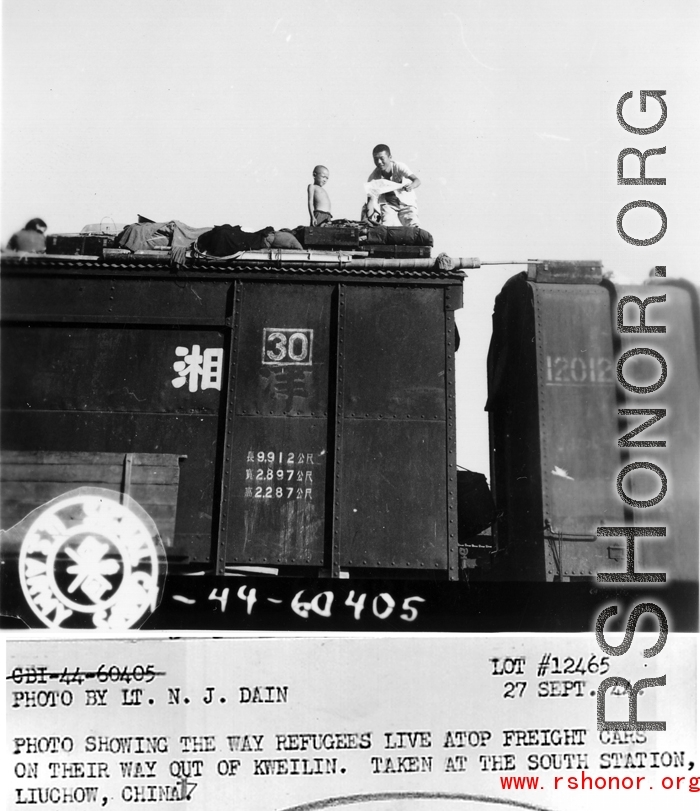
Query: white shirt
<point x="399" y="173"/>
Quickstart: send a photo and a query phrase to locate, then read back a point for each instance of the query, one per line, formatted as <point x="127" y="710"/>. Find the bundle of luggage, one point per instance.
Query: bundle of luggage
<point x="377" y="240"/>
<point x="82" y="244"/>
<point x="228" y="240"/>
<point x="343" y="235"/>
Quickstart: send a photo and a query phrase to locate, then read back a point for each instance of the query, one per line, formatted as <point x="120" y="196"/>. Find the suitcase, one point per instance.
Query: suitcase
<point x="80" y="244"/>
<point x="331" y="238"/>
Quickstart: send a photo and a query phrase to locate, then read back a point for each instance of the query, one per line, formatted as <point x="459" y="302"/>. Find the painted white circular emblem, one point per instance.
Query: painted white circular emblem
<point x="89" y="561"/>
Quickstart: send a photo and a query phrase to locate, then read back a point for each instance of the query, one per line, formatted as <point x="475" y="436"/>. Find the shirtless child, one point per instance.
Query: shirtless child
<point x="319" y="201"/>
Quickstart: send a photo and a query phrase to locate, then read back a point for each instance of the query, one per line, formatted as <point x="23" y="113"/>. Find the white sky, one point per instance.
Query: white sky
<point x="215" y="111"/>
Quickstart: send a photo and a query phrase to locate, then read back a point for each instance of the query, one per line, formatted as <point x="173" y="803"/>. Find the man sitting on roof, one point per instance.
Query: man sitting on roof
<point x="31" y="238"/>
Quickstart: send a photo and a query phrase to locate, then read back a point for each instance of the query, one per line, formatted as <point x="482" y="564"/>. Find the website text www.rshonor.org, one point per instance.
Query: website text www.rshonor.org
<point x="587" y="781"/>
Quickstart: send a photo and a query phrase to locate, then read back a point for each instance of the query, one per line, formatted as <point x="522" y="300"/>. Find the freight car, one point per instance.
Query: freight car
<point x="294" y="414"/>
<point x="563" y="428"/>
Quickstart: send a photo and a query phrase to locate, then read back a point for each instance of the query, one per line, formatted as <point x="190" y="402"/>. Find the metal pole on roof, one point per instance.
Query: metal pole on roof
<point x="511" y="262"/>
<point x="441" y="262"/>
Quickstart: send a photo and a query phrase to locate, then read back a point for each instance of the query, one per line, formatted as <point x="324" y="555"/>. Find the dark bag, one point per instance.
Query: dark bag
<point x="224" y="240"/>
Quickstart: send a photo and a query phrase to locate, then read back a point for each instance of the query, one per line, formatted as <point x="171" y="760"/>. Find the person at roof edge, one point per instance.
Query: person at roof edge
<point x="400" y="202"/>
<point x="31" y="238"/>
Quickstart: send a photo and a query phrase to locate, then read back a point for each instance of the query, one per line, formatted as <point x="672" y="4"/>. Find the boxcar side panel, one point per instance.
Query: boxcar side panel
<point x="392" y="406"/>
<point x="273" y="503"/>
<point x="577" y="409"/>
